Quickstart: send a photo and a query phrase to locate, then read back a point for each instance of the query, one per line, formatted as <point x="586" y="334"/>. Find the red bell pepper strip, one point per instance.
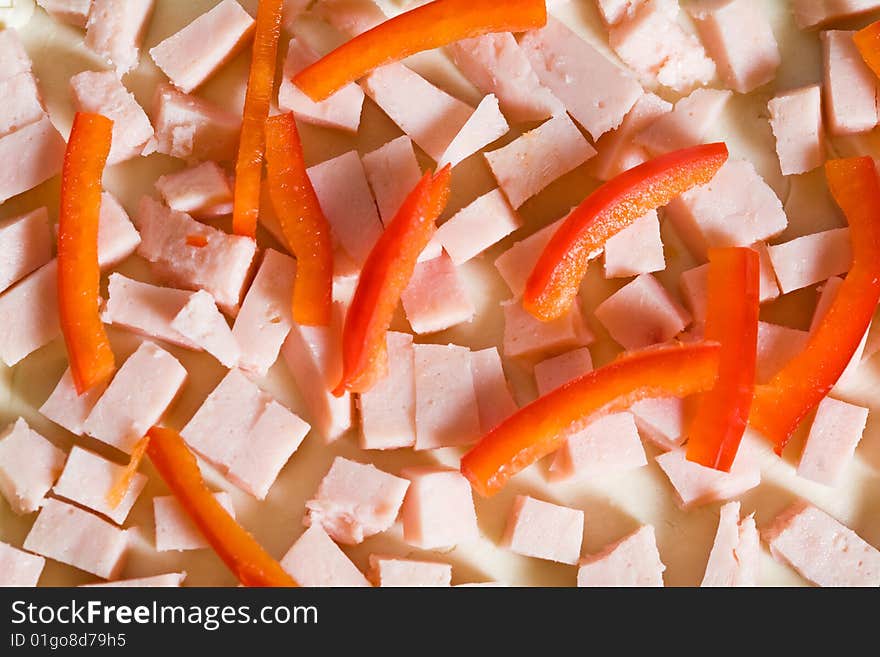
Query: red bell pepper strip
<point x="88" y="349"/>
<point x="797" y="389"/>
<point x="731" y="320"/>
<point x="303" y="223"/>
<point x="867" y="40"/>
<point x="432" y="25"/>
<point x="233" y="544"/>
<point x="261" y="82"/>
<point x="119" y="489"/>
<point x="543" y="426"/>
<point x="383" y="279"/>
<point x="554" y="282"/>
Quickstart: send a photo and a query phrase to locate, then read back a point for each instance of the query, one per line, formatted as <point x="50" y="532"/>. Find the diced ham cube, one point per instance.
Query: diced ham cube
<point x="26" y="245"/>
<point x="88" y="478"/>
<point x="202" y="191"/>
<point x="75" y="12"/>
<point x="811" y="259"/>
<point x="821" y="549"/>
<point x="486" y="125"/>
<point x="544" y="530"/>
<point x="688" y="124"/>
<point x="496" y="64"/>
<point x="477" y="227"/>
<point x="115" y="30"/>
<point x="30" y="312"/>
<point x="738" y="36"/>
<point x="850" y="87"/>
<point x="661" y="420"/>
<point x="117" y="236"/>
<point x="78" y="538"/>
<point x="350" y="17"/>
<point x="776" y="346"/>
<point x="29" y="465"/>
<point x="526" y="336"/>
<point x="37" y="150"/>
<point x="827" y="296"/>
<point x="527" y="165"/>
<point x="517" y="262"/>
<point x="447" y="413"/>
<point x="435" y="298"/>
<point x="834" y="435"/>
<point x="136" y="398"/>
<point x="796" y="120"/>
<point x="734" y="552"/>
<point x="813" y="13"/>
<point x="315" y="560"/>
<point x="637" y="249"/>
<point x="613" y="11"/>
<point x="388" y="409"/>
<point x="596" y="92"/>
<point x="68" y="409"/>
<point x="202" y="324"/>
<point x="610" y="445"/>
<point x="392" y="171"/>
<point x="632" y="561"/>
<point x="168" y="580"/>
<point x="22" y="104"/>
<point x="394" y="572"/>
<point x="174" y="528"/>
<point x="19" y="568"/>
<point x="190" y="128"/>
<point x="438" y="511"/>
<point x="559" y="370"/>
<point x="14" y="59"/>
<point x="494" y="399"/>
<point x="355" y="501"/>
<point x="192" y="55"/>
<point x="616" y="150"/>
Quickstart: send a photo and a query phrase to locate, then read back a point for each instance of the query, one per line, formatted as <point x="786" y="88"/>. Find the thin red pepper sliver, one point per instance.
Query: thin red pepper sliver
<point x="867" y="41"/>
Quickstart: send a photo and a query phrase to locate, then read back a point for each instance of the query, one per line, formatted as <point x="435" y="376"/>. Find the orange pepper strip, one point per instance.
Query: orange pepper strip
<point x="240" y="552"/>
<point x="732" y="321"/>
<point x="781" y="404"/>
<point x="433" y="25"/>
<point x="383" y="279"/>
<point x="543" y="426"/>
<point x="305" y="227"/>
<point x="88" y="349"/>
<point x="554" y="282"/>
<point x="867" y="40"/>
<point x="261" y="82"/>
<point x="120" y="487"/>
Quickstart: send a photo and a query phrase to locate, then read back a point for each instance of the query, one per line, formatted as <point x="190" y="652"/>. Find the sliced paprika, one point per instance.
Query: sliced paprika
<point x="867" y="40"/>
<point x="120" y="487"/>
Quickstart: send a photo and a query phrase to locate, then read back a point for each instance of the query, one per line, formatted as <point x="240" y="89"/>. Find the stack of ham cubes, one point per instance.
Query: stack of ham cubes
<point x="550" y="103"/>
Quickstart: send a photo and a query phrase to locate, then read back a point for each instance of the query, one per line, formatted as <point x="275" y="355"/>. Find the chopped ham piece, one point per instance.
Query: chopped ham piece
<point x="517" y="262"/>
<point x="596" y="92"/>
<point x="834" y="435"/>
<point x="26" y="245"/>
<point x="103" y="93"/>
<point x="486" y="125"/>
<point x="661" y="421"/>
<point x="355" y="501"/>
<point x="29" y="465"/>
<point x="75" y="12"/>
<point x="38" y="151"/>
<point x="813" y="13"/>
<point x="811" y="259"/>
<point x="19" y="568"/>
<point x="392" y="171"/>
<point x="21" y="102"/>
<point x="738" y="36"/>
<point x="168" y="580"/>
<point x="203" y="190"/>
<point x="637" y="249"/>
<point x="530" y="163"/>
<point x="115" y="30"/>
<point x="734" y="556"/>
<point x="136" y="398"/>
<point x="290" y="12"/>
<point x="438" y="511"/>
<point x="435" y="298"/>
<point x="616" y="150"/>
<point x="388" y="409"/>
<point x="68" y="409"/>
<point x="394" y="572"/>
<point x="559" y="370"/>
<point x="496" y="64"/>
<point x="494" y="398"/>
<point x="776" y="346"/>
<point x="190" y="128"/>
<point x="202" y="324"/>
<point x="796" y="120"/>
<point x="315" y="560"/>
<point x="447" y="413"/>
<point x="630" y="562"/>
<point x="350" y="17"/>
<point x="850" y="87"/>
<point x="192" y="55"/>
<point x="78" y="538"/>
<point x="613" y="11"/>
<point x="524" y="335"/>
<point x="544" y="530"/>
<point x="30" y="312"/>
<point x="826" y="297"/>
<point x="87" y="480"/>
<point x="117" y="236"/>
<point x="477" y="227"/>
<point x="686" y="125"/>
<point x="821" y="549"/>
<point x="610" y="445"/>
<point x="175" y="530"/>
<point x="14" y="59"/>
<point x="220" y="266"/>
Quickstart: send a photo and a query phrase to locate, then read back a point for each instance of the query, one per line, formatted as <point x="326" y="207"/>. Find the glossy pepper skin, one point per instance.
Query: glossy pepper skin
<point x="543" y="426"/>
<point x="797" y="389"/>
<point x="119" y="489"/>
<point x="236" y="547"/>
<point x="867" y="40"/>
<point x="384" y="277"/>
<point x="556" y="277"/>
<point x="79" y="275"/>
<point x="303" y="223"/>
<point x="732" y="321"/>
<point x="432" y="25"/>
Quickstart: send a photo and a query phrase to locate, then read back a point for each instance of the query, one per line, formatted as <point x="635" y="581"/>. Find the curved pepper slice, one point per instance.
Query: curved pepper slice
<point x="240" y="552"/>
<point x="554" y="282"/>
<point x="383" y="279"/>
<point x="88" y="349"/>
<point x="867" y="40"/>
<point x="305" y="227"/>
<point x="433" y="25"/>
<point x="261" y="81"/>
<point x="731" y="320"/>
<point x="543" y="426"/>
<point x="797" y="389"/>
<point x="119" y="489"/>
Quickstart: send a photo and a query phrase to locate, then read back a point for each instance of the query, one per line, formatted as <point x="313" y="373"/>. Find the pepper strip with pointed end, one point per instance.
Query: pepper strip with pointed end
<point x="867" y="40"/>
<point x="119" y="489"/>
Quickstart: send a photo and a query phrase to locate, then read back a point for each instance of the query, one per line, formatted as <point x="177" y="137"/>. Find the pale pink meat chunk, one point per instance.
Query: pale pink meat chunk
<point x="38" y="151"/>
<point x="388" y="409"/>
<point x="392" y="171"/>
<point x="821" y="549"/>
<point x="438" y="511"/>
<point x="688" y="124"/>
<point x="544" y="530"/>
<point x="776" y="346"/>
<point x="516" y="264"/>
<point x="355" y="501"/>
<point x="609" y="446"/>
<point x="78" y="538"/>
<point x="350" y="17"/>
<point x="202" y="191"/>
<point x="661" y="421"/>
<point x="494" y="398"/>
<point x="616" y="150"/>
<point x="14" y="60"/>
<point x="29" y="465"/>
<point x="734" y="552"/>
<point x="202" y="324"/>
<point x="633" y="561"/>
<point x="478" y="226"/>
<point x="526" y="336"/>
<point x="395" y="572"/>
<point x="813" y="13"/>
<point x="75" y="12"/>
<point x="315" y="560"/>
<point x="68" y="409"/>
<point x="25" y="245"/>
<point x="174" y="528"/>
<point x="613" y="11"/>
<point x="115" y="30"/>
<point x="19" y="568"/>
<point x="167" y="580"/>
<point x="486" y="125"/>
<point x="559" y="370"/>
<point x="850" y="87"/>
<point x="796" y="120"/>
<point x="834" y="435"/>
<point x="190" y="128"/>
<point x="436" y="298"/>
<point x="21" y="102"/>
<point x="637" y="249"/>
<point x="811" y="259"/>
<point x="117" y="236"/>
